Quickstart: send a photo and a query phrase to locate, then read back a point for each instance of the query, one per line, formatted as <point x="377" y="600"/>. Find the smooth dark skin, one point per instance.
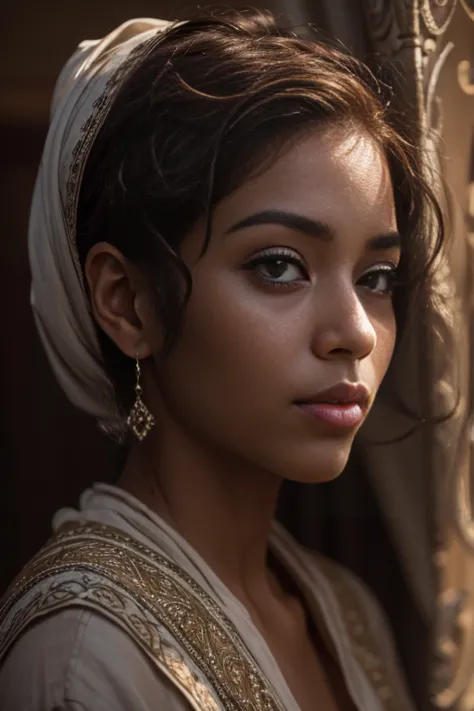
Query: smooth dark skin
<point x="227" y="429"/>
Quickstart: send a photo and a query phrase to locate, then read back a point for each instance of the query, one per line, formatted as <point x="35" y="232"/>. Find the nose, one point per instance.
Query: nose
<point x="343" y="327"/>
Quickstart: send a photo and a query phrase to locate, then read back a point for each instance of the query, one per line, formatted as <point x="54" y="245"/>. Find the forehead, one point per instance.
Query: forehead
<point x="336" y="175"/>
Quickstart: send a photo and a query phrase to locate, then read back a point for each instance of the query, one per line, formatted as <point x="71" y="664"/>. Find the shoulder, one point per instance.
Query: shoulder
<point x="357" y="617"/>
<point x="361" y="611"/>
<point x="77" y="660"/>
<point x="357" y="604"/>
<point x="367" y="627"/>
<point x="348" y="590"/>
<point x="73" y="633"/>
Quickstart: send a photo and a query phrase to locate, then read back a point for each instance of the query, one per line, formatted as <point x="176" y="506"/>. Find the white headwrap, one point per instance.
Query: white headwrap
<point x="82" y="98"/>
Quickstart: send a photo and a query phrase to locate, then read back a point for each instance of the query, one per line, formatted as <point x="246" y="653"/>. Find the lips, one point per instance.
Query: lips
<point x="340" y="394"/>
<point x="343" y="406"/>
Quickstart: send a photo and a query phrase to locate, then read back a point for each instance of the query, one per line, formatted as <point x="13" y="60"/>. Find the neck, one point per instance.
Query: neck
<point x="223" y="508"/>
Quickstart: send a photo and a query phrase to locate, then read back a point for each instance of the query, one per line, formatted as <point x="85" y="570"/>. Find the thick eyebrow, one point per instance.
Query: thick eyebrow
<point x="313" y="228"/>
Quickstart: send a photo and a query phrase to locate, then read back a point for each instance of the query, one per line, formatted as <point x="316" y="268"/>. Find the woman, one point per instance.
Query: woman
<point x="226" y="234"/>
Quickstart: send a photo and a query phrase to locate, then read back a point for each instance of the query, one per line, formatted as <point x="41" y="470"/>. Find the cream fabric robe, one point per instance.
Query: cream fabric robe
<point x="77" y="660"/>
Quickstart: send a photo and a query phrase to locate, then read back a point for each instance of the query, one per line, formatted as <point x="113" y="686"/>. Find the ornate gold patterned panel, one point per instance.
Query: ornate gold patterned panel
<point x="432" y="44"/>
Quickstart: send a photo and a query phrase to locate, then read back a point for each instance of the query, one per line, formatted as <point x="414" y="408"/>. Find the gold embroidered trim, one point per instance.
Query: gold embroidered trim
<point x="132" y="576"/>
<point x="90" y="592"/>
<point x="364" y="646"/>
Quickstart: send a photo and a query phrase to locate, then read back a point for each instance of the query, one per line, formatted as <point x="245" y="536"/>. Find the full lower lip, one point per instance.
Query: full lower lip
<point x="347" y="415"/>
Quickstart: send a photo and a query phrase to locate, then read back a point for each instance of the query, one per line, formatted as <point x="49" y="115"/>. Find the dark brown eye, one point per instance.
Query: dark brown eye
<point x="278" y="267"/>
<point x="275" y="269"/>
<point x="380" y="281"/>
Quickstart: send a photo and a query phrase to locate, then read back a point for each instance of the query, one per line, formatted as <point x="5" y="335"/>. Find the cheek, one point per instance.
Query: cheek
<point x="229" y="356"/>
<point x="386" y="332"/>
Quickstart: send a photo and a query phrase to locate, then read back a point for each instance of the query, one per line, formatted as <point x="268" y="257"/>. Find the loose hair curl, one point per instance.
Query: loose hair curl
<point x="217" y="100"/>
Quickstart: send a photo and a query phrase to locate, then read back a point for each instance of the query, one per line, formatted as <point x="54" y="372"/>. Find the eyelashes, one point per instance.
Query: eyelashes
<point x="278" y="261"/>
<point x="282" y="267"/>
<point x="381" y="280"/>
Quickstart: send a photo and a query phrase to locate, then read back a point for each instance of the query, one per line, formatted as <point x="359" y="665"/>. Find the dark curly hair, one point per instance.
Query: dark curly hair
<point x="217" y="99"/>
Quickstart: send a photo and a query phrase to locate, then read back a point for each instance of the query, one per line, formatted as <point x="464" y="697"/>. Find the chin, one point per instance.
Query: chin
<point x="323" y="463"/>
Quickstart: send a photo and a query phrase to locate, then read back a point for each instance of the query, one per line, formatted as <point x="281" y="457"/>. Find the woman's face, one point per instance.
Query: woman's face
<point x="291" y="299"/>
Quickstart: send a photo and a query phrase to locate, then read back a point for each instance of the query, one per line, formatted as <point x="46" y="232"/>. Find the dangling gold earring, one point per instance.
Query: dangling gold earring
<point x="140" y="419"/>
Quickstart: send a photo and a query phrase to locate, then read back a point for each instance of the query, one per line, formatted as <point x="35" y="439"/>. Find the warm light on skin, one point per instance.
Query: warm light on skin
<point x="248" y="350"/>
<point x="228" y="430"/>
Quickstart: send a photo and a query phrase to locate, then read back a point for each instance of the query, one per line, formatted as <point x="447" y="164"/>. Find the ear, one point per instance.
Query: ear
<point x="121" y="303"/>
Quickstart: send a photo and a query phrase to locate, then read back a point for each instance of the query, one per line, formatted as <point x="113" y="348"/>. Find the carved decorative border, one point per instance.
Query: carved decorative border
<point x="469" y="9"/>
<point x="429" y="16"/>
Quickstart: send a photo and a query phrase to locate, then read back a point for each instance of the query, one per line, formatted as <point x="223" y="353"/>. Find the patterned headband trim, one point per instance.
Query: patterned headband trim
<point x="94" y="123"/>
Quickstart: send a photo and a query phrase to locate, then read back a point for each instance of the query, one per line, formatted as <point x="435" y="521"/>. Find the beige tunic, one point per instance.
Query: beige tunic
<point x="78" y="659"/>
